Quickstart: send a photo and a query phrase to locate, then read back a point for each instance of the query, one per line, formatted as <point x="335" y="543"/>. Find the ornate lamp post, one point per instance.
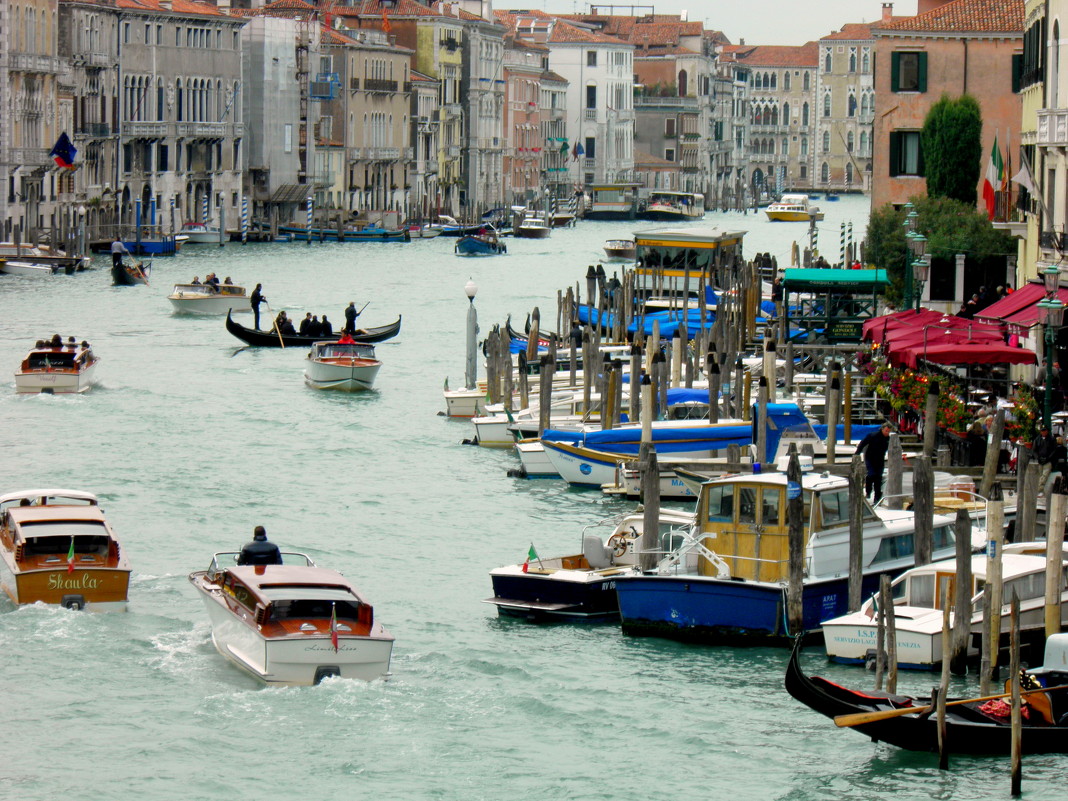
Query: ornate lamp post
<point x="920" y="266"/>
<point x="472" y="336"/>
<point x="910" y="229"/>
<point x="1053" y="313"/>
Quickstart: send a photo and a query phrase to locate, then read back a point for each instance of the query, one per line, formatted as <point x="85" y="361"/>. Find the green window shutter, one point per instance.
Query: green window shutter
<point x="895" y="153"/>
<point x="920" y="170"/>
<point x="922" y="82"/>
<point x="1017" y="71"/>
<point x="895" y="69"/>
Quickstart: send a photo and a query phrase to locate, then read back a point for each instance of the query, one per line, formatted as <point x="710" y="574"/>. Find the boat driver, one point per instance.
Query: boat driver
<point x="260" y="551"/>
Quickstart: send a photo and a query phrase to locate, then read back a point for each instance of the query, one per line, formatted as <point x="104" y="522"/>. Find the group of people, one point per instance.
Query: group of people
<point x="311" y="326"/>
<point x="981" y="299"/>
<point x="56" y="343"/>
<point x="211" y="280"/>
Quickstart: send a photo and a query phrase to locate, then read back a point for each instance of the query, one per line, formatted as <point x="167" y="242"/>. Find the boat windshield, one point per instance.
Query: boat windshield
<point x="225" y="559"/>
<point x="336" y="350"/>
<point x="56" y="538"/>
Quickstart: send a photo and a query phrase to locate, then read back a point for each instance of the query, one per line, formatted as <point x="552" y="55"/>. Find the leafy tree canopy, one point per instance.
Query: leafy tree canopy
<point x="952" y="148"/>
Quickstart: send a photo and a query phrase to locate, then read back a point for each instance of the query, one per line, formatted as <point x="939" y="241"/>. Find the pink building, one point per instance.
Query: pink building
<point x="953" y="48"/>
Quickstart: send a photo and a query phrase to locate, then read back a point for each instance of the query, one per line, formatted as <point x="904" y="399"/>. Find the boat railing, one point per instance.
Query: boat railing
<point x="671" y="560"/>
<point x="226" y="559"/>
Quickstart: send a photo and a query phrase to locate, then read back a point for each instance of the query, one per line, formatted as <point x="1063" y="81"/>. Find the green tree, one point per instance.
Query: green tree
<point x="952" y="148"/>
<point x="951" y="227"/>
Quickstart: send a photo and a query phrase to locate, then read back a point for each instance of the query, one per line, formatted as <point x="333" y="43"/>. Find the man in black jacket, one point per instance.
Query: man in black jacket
<point x="1044" y="448"/>
<point x="260" y="551"/>
<point x="874" y="448"/>
<point x="255" y="300"/>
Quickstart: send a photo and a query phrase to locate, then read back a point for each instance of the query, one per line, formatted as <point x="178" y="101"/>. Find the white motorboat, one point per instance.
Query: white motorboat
<point x="56" y="547"/>
<point x="533" y="226"/>
<point x="674" y="206"/>
<point x="581" y="586"/>
<point x="197" y="233"/>
<point x="209" y="299"/>
<point x="793" y="208"/>
<point x="57" y="369"/>
<point x="424" y="231"/>
<point x="917" y="598"/>
<point x="345" y="366"/>
<point x="13" y="267"/>
<point x="293" y="623"/>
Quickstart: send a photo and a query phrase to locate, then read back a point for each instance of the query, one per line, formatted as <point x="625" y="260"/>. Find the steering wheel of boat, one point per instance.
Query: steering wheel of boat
<point x="618" y="544"/>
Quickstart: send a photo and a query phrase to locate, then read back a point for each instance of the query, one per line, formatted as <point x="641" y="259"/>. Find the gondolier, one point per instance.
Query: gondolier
<point x="255" y="299"/>
<point x="350" y="318"/>
<point x="118" y="250"/>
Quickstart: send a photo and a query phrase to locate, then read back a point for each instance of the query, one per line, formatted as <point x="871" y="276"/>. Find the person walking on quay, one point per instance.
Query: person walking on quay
<point x="874" y="448"/>
<point x="255" y="299"/>
<point x="1044" y="448"/>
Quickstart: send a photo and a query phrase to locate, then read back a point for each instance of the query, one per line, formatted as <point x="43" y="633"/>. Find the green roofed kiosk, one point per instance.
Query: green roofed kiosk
<point x="833" y="303"/>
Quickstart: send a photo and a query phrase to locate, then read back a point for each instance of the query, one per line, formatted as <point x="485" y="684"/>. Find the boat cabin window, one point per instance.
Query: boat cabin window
<point x="902" y="546"/>
<point x="43" y="360"/>
<point x="60" y="546"/>
<point x="1028" y="587"/>
<point x="240" y="593"/>
<point x="921" y="591"/>
<point x="721" y="503"/>
<point x="834" y="509"/>
<point x="310" y="608"/>
<point x="770" y="501"/>
<point x="747" y="505"/>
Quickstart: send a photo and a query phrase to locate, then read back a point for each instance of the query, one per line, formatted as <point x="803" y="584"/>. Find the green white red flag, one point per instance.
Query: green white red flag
<point x="531" y="554"/>
<point x="333" y="626"/>
<point x="994" y="180"/>
<point x="70" y="557"/>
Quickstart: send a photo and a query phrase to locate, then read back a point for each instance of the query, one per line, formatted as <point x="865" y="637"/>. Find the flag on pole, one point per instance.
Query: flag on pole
<point x="563" y="147"/>
<point x="63" y="152"/>
<point x="995" y="178"/>
<point x="333" y="626"/>
<point x="578" y="150"/>
<point x="70" y="557"/>
<point x="385" y="20"/>
<point x="531" y="554"/>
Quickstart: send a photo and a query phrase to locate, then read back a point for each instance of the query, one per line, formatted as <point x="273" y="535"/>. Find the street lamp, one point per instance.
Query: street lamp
<point x="920" y="266"/>
<point x="910" y="230"/>
<point x="1053" y="314"/>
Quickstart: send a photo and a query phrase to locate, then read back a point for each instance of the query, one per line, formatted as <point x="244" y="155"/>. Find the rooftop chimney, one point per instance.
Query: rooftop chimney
<point x="888" y="12"/>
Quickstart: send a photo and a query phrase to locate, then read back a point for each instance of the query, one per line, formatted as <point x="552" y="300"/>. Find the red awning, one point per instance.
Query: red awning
<point x="898" y="347"/>
<point x="875" y="329"/>
<point x="1030" y="316"/>
<point x="1009" y="305"/>
<point x="969" y="353"/>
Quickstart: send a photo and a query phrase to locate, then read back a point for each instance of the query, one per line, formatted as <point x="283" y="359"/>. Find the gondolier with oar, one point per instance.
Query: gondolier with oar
<point x="350" y="318"/>
<point x="118" y="250"/>
<point x="255" y="299"/>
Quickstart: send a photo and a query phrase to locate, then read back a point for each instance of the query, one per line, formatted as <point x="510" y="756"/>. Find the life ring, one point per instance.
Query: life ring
<point x="618" y="543"/>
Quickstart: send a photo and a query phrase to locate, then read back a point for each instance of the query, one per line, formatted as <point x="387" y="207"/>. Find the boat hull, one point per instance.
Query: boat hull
<point x="476" y="246"/>
<point x="93" y="589"/>
<point x="703" y="609"/>
<point x="331" y="235"/>
<point x="122" y="276"/>
<point x="271" y="338"/>
<point x="788" y="216"/>
<point x="341" y="377"/>
<point x="204" y="304"/>
<point x="295" y="659"/>
<point x="28" y="268"/>
<point x="535" y="464"/>
<point x="57" y="382"/>
<point x="669" y="215"/>
<point x="465" y="402"/>
<point x="555" y="595"/>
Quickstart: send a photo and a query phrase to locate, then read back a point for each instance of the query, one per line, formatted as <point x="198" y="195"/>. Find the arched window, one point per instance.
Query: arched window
<point x="1054" y="62"/>
<point x="683" y="83"/>
<point x="786" y="112"/>
<point x="850" y="141"/>
<point x="160" y="104"/>
<point x="864" y="143"/>
<point x="804" y="112"/>
<point x="826" y="141"/>
<point x="774" y="115"/>
<point x="825" y="172"/>
<point x="805" y="82"/>
<point x="827" y="61"/>
<point x="849" y="172"/>
<point x="852" y="60"/>
<point x="785" y="146"/>
<point x="180" y="100"/>
<point x="773" y="77"/>
<point x="852" y="105"/>
<point x="865" y="62"/>
<point x="826" y="105"/>
<point x="804" y="146"/>
<point x="786" y="80"/>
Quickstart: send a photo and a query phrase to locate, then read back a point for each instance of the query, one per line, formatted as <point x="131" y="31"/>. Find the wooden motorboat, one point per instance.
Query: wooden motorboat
<point x="423" y="231"/>
<point x="20" y="259"/>
<point x="622" y="249"/>
<point x="579" y="586"/>
<point x="56" y="547"/>
<point x="69" y="368"/>
<point x="532" y="226"/>
<point x="293" y="623"/>
<point x="271" y="339"/>
<point x="793" y="208"/>
<point x="971" y="728"/>
<point x="209" y="299"/>
<point x="344" y="366"/>
<point x="131" y="274"/>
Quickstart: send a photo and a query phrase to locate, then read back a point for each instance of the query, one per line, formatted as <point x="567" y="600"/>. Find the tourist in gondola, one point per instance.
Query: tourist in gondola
<point x="304" y="324"/>
<point x="328" y="329"/>
<point x="287" y="328"/>
<point x="315" y="328"/>
<point x="255" y="299"/>
<point x="260" y="551"/>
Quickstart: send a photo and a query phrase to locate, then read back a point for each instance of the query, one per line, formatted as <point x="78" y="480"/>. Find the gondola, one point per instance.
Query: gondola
<point x="270" y="338"/>
<point x="131" y="274"/>
<point x="969" y="730"/>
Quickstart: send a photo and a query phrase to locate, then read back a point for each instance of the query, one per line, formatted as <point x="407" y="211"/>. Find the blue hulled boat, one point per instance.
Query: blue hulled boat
<point x="733" y="590"/>
<point x="480" y="245"/>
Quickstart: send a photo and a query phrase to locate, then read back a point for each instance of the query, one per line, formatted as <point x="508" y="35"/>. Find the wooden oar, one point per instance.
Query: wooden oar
<point x="277" y="330"/>
<point x="860" y="718"/>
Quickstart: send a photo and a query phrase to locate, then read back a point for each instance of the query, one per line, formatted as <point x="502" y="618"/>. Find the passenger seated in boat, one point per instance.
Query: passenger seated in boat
<point x="346" y="339"/>
<point x="195" y="281"/>
<point x="315" y="328"/>
<point x="287" y="328"/>
<point x="56" y="342"/>
<point x="227" y="281"/>
<point x="328" y="329"/>
<point x="72" y="343"/>
<point x="260" y="551"/>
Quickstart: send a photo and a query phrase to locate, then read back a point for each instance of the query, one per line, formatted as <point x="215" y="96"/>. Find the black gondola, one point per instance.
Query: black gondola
<point x="131" y="274"/>
<point x="969" y="730"/>
<point x="270" y="338"/>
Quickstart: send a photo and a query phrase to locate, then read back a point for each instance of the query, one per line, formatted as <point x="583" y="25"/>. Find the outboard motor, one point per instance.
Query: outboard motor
<point x="325" y="671"/>
<point x="75" y="602"/>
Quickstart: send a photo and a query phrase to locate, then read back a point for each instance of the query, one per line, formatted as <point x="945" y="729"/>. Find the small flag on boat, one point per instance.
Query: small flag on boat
<point x="531" y="554"/>
<point x="333" y="626"/>
<point x="70" y="557"/>
<point x="63" y="152"/>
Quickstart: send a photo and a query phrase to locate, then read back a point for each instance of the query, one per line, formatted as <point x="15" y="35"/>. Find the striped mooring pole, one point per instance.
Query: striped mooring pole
<point x="309" y="218"/>
<point x="849" y="242"/>
<point x="206" y="200"/>
<point x="842" y="246"/>
<point x="244" y="220"/>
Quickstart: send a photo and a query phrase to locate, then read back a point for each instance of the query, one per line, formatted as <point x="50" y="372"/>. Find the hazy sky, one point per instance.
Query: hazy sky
<point x="782" y="22"/>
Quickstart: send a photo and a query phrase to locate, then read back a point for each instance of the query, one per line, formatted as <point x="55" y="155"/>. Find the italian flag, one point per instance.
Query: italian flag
<point x="333" y="626"/>
<point x="995" y="178"/>
<point x="531" y="554"/>
<point x="70" y="557"/>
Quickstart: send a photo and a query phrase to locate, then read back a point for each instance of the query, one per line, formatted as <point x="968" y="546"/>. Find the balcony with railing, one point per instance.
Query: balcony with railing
<point x="154" y="130"/>
<point x="209" y="130"/>
<point x="382" y="153"/>
<point x="590" y="114"/>
<point x="378" y="85"/>
<point x="354" y="84"/>
<point x="93" y="130"/>
<point x="33" y="62"/>
<point x="1052" y="127"/>
<point x="28" y="156"/>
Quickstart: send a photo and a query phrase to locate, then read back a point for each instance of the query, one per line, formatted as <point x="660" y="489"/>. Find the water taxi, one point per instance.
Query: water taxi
<point x="293" y="623"/>
<point x="793" y="208"/>
<point x="673" y="206"/>
<point x="209" y="299"/>
<point x="345" y="366"/>
<point x="57" y="369"/>
<point x="56" y="547"/>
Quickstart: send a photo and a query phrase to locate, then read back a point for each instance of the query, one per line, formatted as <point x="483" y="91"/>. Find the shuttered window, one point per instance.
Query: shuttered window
<point x="908" y="72"/>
